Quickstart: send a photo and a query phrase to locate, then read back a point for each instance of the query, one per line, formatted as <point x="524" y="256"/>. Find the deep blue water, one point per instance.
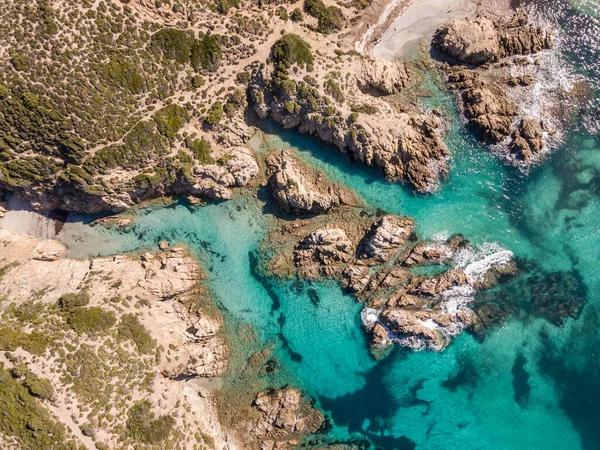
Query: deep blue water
<point x="528" y="384"/>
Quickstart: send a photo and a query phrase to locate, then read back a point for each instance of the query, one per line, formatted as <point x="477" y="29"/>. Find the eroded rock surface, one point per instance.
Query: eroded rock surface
<point x="406" y="145"/>
<point x="494" y="63"/>
<point x="300" y="189"/>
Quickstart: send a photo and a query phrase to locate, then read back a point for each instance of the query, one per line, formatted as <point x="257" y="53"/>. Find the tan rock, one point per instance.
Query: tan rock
<point x="302" y="190"/>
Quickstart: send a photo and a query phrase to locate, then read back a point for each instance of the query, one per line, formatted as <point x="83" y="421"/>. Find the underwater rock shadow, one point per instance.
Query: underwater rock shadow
<point x="373" y="402"/>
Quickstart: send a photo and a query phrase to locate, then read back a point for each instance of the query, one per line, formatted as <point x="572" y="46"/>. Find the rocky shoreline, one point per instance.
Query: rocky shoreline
<point x="493" y="65"/>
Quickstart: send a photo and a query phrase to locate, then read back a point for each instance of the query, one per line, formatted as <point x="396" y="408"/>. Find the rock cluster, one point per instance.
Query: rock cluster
<point x="485" y="39"/>
<point x="375" y="258"/>
<point x="483" y="52"/>
<point x="405" y="146"/>
<point x="284" y="418"/>
<point x="299" y="189"/>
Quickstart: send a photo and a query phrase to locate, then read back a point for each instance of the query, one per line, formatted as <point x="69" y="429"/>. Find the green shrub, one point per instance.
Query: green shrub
<point x="68" y="302"/>
<point x="21" y="62"/>
<point x="12" y="338"/>
<point x="214" y="115"/>
<point x="144" y="427"/>
<point x="46" y="16"/>
<point x="123" y="74"/>
<point x="25" y="420"/>
<point x="201" y="149"/>
<point x="364" y="108"/>
<point x="206" y="53"/>
<point x="130" y="328"/>
<point x="169" y="120"/>
<point x="37" y="386"/>
<point x="91" y="320"/>
<point x="291" y="49"/>
<point x="333" y="88"/>
<point x="197" y="81"/>
<point x="173" y="44"/>
<point x="282" y="13"/>
<point x="330" y="19"/>
<point x="297" y="15"/>
<point x="223" y="6"/>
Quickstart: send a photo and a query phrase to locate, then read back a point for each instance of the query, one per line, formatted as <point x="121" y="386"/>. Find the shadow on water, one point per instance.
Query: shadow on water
<point x="521" y="380"/>
<point x="375" y="404"/>
<point x="575" y="370"/>
<point x="264" y="281"/>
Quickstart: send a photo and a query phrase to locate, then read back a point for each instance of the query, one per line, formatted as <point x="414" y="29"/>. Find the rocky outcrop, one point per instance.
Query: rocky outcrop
<point x="384" y="77"/>
<point x="158" y="300"/>
<point x="374" y="258"/>
<point x="492" y="70"/>
<point x="385" y="238"/>
<point x="169" y="281"/>
<point x="527" y="140"/>
<point x="486" y="39"/>
<point x="285" y="417"/>
<point x="470" y="40"/>
<point x="405" y="146"/>
<point x="299" y="189"/>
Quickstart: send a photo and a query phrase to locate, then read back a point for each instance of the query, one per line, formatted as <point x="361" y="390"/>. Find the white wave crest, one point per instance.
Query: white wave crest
<point x="476" y="262"/>
<point x="370" y="317"/>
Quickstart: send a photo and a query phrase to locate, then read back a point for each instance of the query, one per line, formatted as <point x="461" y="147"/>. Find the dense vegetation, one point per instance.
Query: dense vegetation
<point x="291" y="49"/>
<point x="26" y="421"/>
<point x="143" y="426"/>
<point x="330" y="18"/>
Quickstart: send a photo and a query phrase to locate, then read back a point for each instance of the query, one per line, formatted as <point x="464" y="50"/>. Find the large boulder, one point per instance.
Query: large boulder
<point x="386" y="237"/>
<point x="284" y="415"/>
<point x="470" y="40"/>
<point x="299" y="189"/>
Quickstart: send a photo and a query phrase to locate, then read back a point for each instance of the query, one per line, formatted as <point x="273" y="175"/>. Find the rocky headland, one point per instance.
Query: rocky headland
<point x="493" y="64"/>
<point x="357" y="108"/>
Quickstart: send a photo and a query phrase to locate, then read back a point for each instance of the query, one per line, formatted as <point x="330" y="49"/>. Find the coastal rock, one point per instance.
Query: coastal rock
<point x="405" y="146"/>
<point x="49" y="250"/>
<point x="484" y="39"/>
<point x="442" y="283"/>
<point x="302" y="190"/>
<point x="427" y="253"/>
<point x="470" y="40"/>
<point x="322" y="250"/>
<point x="490" y="111"/>
<point x="385" y="77"/>
<point x="386" y="236"/>
<point x="527" y="140"/>
<point x="285" y="415"/>
<point x="416" y="311"/>
<point x="494" y="64"/>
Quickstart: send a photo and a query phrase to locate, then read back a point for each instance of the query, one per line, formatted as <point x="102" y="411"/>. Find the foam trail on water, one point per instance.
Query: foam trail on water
<point x="476" y="262"/>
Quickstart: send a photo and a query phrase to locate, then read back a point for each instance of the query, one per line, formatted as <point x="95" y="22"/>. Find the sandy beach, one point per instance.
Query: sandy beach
<point x="401" y="28"/>
<point x="419" y="21"/>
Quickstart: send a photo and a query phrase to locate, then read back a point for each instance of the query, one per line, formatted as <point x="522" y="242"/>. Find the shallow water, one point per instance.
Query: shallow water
<point x="529" y="384"/>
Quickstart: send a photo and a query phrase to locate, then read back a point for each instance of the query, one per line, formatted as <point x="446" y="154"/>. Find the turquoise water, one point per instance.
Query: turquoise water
<point x="529" y="384"/>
